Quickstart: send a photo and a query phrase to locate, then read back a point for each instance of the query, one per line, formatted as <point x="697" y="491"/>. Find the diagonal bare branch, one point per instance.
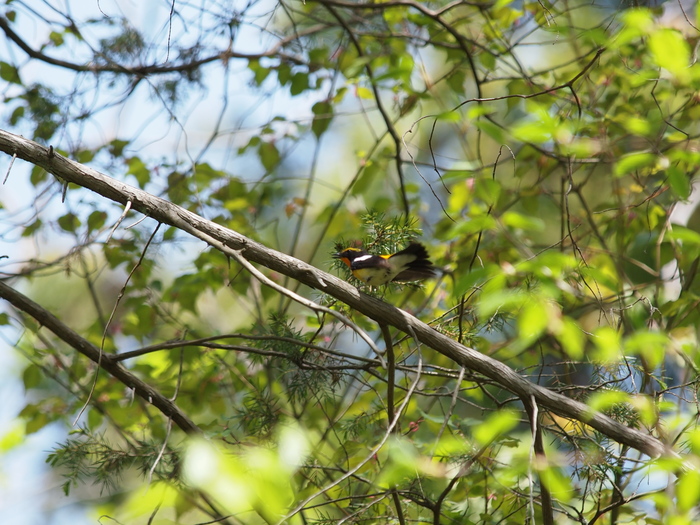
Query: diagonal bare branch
<point x="106" y="362"/>
<point x="374" y="308"/>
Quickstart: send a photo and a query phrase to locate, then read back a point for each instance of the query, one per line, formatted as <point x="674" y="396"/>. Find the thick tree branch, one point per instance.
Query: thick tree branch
<point x="166" y="212"/>
<point x="107" y="361"/>
<point x="154" y="69"/>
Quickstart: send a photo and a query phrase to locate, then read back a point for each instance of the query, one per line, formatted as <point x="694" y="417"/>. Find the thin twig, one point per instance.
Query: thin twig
<point x="109" y="322"/>
<point x="62" y="331"/>
<point x="369" y="457"/>
<point x="9" y="168"/>
<point x="119" y="220"/>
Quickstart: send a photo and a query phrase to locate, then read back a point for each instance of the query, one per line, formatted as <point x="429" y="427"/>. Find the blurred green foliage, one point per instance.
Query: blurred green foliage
<point x="538" y="149"/>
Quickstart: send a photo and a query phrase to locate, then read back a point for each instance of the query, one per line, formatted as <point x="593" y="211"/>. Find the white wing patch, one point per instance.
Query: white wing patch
<point x="362" y="258"/>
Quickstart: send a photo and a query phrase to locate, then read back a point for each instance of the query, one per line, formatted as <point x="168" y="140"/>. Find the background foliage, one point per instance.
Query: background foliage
<point x="541" y="150"/>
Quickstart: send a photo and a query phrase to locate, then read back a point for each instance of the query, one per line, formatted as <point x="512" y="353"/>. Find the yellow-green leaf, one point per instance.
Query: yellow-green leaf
<point x="494" y="426"/>
<point x="634" y="162"/>
<point x="670" y="51"/>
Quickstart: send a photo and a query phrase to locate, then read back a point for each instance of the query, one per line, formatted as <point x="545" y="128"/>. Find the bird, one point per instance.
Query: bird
<point x="410" y="264"/>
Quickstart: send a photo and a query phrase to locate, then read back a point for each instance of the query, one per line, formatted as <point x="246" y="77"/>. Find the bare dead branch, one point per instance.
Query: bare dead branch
<point x="164" y="211"/>
<point x="106" y="361"/>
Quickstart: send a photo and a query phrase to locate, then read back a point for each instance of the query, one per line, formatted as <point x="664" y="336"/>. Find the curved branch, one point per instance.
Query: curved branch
<point x="378" y="310"/>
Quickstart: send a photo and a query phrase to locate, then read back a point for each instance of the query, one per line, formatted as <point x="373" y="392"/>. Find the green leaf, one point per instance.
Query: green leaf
<point x="96" y="220"/>
<point x="522" y="222"/>
<point x="492" y="130"/>
<point x="496" y="425"/>
<point x="496" y="298"/>
<point x="634" y="162"/>
<point x="638" y="22"/>
<point x="636" y="125"/>
<point x="31" y="377"/>
<point x="649" y="345"/>
<point x="364" y="93"/>
<point x="679" y="182"/>
<point x="536" y="132"/>
<point x="572" y="338"/>
<point x="17" y="115"/>
<point x="670" y="51"/>
<point x="69" y="222"/>
<point x="488" y="190"/>
<point x="13" y="436"/>
<point x="501" y="3"/>
<point x="401" y="463"/>
<point x="84" y="156"/>
<point x="688" y="490"/>
<point x="318" y="56"/>
<point x="473" y="225"/>
<point x="138" y="169"/>
<point x="449" y="116"/>
<point x="119" y="251"/>
<point x="259" y="73"/>
<point x="323" y="115"/>
<point x="284" y="74"/>
<point x="94" y="419"/>
<point x="558" y="483"/>
<point x="38" y="421"/>
<point x="38" y="175"/>
<point x="269" y="155"/>
<point x="638" y="18"/>
<point x="604" y="400"/>
<point x="116" y="147"/>
<point x="466" y="280"/>
<point x="369" y="174"/>
<point x="355" y="67"/>
<point x="300" y="83"/>
<point x="532" y="320"/>
<point x="681" y="233"/>
<point x="56" y="38"/>
<point x="9" y="73"/>
<point x="32" y="228"/>
<point x="488" y="60"/>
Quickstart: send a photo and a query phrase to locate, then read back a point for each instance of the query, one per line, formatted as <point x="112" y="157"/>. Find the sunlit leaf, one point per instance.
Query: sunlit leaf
<point x="688" y="490"/>
<point x="649" y="345"/>
<point x="12" y="436"/>
<point x="532" y="320"/>
<point x="634" y="162"/>
<point x="522" y="222"/>
<point x="670" y="51"/>
<point x="683" y="234"/>
<point x="558" y="483"/>
<point x="572" y="338"/>
<point x="494" y="426"/>
<point x="608" y="344"/>
<point x="601" y="401"/>
<point x="533" y="131"/>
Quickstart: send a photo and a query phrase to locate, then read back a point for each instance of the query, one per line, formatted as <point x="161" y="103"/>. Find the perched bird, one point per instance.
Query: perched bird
<point x="410" y="264"/>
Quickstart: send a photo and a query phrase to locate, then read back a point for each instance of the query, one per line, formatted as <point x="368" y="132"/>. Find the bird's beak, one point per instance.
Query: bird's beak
<point x="336" y="256"/>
